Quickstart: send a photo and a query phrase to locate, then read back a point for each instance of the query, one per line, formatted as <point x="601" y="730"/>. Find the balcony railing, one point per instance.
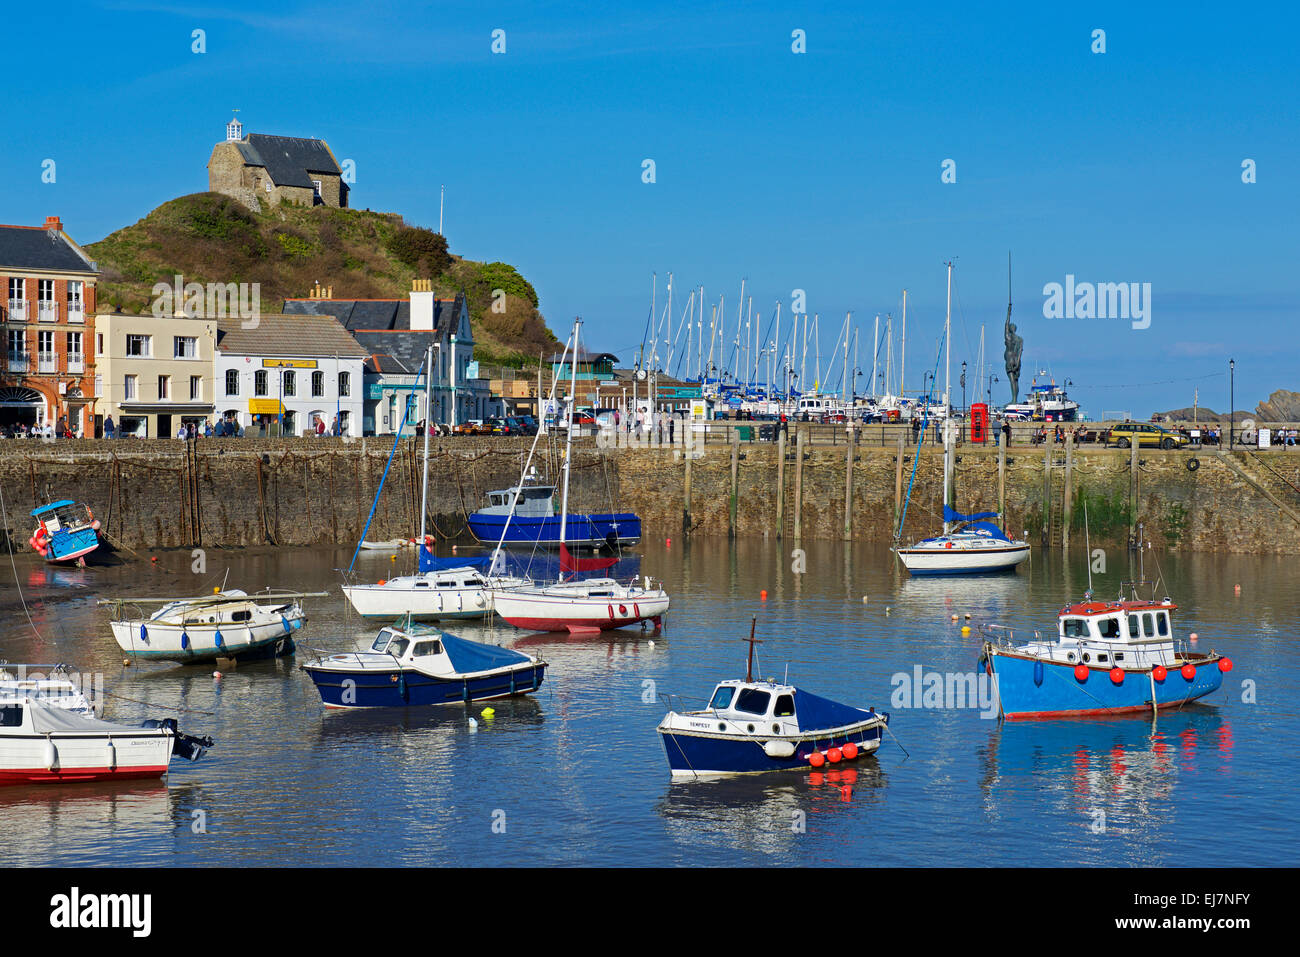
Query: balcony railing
<point x="47" y="311"/>
<point x="76" y="310"/>
<point x="76" y="362"/>
<point x="17" y="310"/>
<point x="47" y="362"/>
<point x="19" y="361"/>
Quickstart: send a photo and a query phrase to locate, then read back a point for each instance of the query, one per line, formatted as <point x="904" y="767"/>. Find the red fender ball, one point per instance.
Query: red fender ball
<point x="1225" y="665"/>
<point x="817" y="759"/>
<point x="1159" y="672"/>
<point x="1188" y="671"/>
<point x="1081" y="672"/>
<point x="1117" y="675"/>
<point x="834" y="755"/>
<point x="850" y="751"/>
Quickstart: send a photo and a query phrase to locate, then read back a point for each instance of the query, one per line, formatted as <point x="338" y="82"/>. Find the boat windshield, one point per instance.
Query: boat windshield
<point x="398" y="647"/>
<point x="381" y="640"/>
<point x="1109" y="627"/>
<point x="722" y="697"/>
<point x="753" y="701"/>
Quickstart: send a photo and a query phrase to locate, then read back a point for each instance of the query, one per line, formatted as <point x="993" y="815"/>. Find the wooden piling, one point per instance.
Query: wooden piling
<point x="735" y="476"/>
<point x="1068" y="494"/>
<point x="801" y="436"/>
<point x="898" y="482"/>
<point x="780" y="481"/>
<point x="1002" y="481"/>
<point x="1133" y="495"/>
<point x="688" y="452"/>
<point x="1047" y="492"/>
<point x="848" y="488"/>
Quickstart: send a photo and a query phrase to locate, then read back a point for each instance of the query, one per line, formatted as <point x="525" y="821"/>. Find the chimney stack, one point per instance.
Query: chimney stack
<point x="53" y="222"/>
<point x="422" y="305"/>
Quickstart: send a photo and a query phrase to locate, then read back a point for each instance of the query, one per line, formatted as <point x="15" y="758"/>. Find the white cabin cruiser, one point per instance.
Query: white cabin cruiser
<point x="453" y="593"/>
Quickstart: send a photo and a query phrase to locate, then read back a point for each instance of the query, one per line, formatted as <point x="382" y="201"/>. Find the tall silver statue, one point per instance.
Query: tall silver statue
<point x="1015" y="345"/>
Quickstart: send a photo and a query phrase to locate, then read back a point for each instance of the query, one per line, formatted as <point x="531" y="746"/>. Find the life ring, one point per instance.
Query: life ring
<point x="1193" y="464"/>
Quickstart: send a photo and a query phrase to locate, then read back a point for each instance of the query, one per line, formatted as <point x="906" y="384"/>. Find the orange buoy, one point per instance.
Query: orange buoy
<point x="850" y="751"/>
<point x="1225" y="665"/>
<point x="1081" y="672"/>
<point x="817" y="759"/>
<point x="762" y="595"/>
<point x="668" y="543"/>
<point x="1188" y="671"/>
<point x="1117" y="675"/>
<point x="383" y="581"/>
<point x="1159" y="672"/>
<point x="834" y="755"/>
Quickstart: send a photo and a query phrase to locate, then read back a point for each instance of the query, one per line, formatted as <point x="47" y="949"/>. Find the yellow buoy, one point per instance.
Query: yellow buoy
<point x="965" y="629"/>
<point x="487" y="712"/>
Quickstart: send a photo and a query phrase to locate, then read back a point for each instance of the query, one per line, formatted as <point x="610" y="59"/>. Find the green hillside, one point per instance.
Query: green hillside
<point x="209" y="237"/>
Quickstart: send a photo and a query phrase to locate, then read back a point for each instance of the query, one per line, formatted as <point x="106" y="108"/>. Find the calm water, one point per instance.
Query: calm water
<point x="576" y="775"/>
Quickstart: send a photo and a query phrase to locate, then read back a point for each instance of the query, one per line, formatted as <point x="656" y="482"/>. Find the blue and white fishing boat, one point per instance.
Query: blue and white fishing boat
<point x="65" y="531"/>
<point x="535" y="521"/>
<point x="753" y="726"/>
<point x="417" y="665"/>
<point x="1107" y="658"/>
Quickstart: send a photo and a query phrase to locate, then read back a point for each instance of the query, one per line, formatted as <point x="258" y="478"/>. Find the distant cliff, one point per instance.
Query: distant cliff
<point x="208" y="237"/>
<point x="1281" y="406"/>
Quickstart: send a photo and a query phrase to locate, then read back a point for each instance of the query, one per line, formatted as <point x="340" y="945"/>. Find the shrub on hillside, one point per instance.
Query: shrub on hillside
<point x="413" y="245"/>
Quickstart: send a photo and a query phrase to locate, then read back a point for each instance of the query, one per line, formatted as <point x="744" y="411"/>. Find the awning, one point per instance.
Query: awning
<point x="265" y="407"/>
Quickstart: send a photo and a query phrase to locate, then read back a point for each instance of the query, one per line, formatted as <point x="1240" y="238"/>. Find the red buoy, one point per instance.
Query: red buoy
<point x="762" y="595"/>
<point x="817" y="759"/>
<point x="1159" y="672"/>
<point x="1188" y="671"/>
<point x="834" y="755"/>
<point x="1081" y="672"/>
<point x="850" y="750"/>
<point x="1117" y="675"/>
<point x="1225" y="665"/>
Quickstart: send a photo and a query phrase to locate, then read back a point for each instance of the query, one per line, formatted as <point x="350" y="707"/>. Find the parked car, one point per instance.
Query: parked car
<point x="498" y="426"/>
<point x="1146" y="436"/>
<point x="518" y="426"/>
<point x="471" y="427"/>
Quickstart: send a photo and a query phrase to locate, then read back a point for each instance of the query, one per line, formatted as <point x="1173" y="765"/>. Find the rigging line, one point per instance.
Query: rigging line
<point x="916" y="456"/>
<point x="4" y="513"/>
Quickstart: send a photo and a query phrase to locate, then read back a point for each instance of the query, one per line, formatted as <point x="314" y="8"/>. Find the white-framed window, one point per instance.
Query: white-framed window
<point x="45" y="356"/>
<point x="131" y="387"/>
<point x="232" y="382"/>
<point x="315" y="187"/>
<point x="345" y="383"/>
<point x="196" y="388"/>
<point x="99" y="343"/>
<point x="76" y="301"/>
<point x="99" y="386"/>
<point x="47" y="310"/>
<point x="139" y="346"/>
<point x="164" y="387"/>
<point x="259" y="382"/>
<point x="317" y="384"/>
<point x="289" y="382"/>
<point x="186" y="347"/>
<point x="76" y="358"/>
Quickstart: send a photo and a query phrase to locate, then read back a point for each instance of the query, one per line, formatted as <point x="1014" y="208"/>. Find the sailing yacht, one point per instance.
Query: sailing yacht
<point x="582" y="605"/>
<point x="969" y="544"/>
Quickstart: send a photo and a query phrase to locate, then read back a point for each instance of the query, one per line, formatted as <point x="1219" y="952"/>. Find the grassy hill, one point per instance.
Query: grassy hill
<point x="209" y="237"/>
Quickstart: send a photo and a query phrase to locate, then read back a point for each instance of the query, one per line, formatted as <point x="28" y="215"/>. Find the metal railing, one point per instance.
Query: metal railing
<point x="47" y="311"/>
<point x="76" y="362"/>
<point x="17" y="310"/>
<point x="76" y="310"/>
<point x="19" y="361"/>
<point x="47" y="362"/>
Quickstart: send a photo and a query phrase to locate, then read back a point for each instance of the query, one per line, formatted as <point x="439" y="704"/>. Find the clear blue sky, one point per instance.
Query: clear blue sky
<point x="818" y="171"/>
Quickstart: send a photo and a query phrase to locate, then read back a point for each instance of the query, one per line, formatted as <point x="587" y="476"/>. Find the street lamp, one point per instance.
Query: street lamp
<point x="1232" y="411"/>
<point x="963" y="388"/>
<point x="992" y="379"/>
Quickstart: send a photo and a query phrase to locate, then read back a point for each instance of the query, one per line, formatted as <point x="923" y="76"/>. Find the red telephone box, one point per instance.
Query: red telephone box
<point x="979" y="422"/>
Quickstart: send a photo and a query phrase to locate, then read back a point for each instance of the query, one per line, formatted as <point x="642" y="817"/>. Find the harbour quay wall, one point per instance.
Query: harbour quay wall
<point x="240" y="492"/>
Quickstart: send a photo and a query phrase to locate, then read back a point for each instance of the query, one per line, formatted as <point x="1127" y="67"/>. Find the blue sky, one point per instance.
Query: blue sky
<point x="818" y="171"/>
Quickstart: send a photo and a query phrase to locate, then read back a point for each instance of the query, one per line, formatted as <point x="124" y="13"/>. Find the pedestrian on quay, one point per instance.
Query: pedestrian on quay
<point x="109" y="428"/>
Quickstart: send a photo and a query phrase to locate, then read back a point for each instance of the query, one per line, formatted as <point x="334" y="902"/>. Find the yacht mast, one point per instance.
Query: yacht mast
<point x="428" y="415"/>
<point x="568" y="435"/>
<point x="947" y="408"/>
<point x="902" y="358"/>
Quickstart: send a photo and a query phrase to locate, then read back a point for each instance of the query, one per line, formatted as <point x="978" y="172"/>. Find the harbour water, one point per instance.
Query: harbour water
<point x="576" y="775"/>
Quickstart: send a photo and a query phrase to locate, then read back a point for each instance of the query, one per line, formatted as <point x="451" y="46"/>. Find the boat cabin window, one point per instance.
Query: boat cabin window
<point x="381" y="640"/>
<point x="241" y="615"/>
<point x="470" y="584"/>
<point x="752" y="701"/>
<point x="427" y="648"/>
<point x="600" y="594"/>
<point x="1148" y="625"/>
<point x="784" y="707"/>
<point x="1109" y="627"/>
<point x="52" y="523"/>
<point x="722" y="697"/>
<point x="1074" y="628"/>
<point x="536" y="494"/>
<point x="1162" y="624"/>
<point x="398" y="647"/>
<point x="11" y="716"/>
<point x="446" y="584"/>
<point x="421" y="584"/>
<point x="495" y="499"/>
<point x="1133" y="627"/>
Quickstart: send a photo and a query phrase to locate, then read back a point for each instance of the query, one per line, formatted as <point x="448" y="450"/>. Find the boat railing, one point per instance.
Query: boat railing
<point x="1003" y="636"/>
<point x="21" y="671"/>
<point x="679" y="703"/>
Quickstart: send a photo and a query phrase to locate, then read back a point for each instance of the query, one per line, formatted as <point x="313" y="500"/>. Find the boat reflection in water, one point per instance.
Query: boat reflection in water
<point x="90" y="822"/>
<point x="1118" y="772"/>
<point x="767" y="814"/>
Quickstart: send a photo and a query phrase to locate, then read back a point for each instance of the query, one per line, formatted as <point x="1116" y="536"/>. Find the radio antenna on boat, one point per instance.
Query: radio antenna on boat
<point x="1087" y="544"/>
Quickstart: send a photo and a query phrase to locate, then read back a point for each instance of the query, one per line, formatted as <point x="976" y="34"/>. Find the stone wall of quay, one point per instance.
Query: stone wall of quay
<point x="238" y="492"/>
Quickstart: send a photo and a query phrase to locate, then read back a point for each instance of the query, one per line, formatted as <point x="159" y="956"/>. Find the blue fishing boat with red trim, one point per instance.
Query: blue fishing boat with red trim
<point x="65" y="532"/>
<point x="749" y="727"/>
<point x="1108" y="657"/>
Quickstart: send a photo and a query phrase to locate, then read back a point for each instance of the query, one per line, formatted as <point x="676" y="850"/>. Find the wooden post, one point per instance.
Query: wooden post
<point x="1133" y="494"/>
<point x="898" y="482"/>
<point x="1002" y="481"/>
<point x="780" y="480"/>
<point x="688" y="451"/>
<point x="1047" y="492"/>
<point x="735" y="475"/>
<point x="1068" y="494"/>
<point x="801" y="436"/>
<point x="848" y="489"/>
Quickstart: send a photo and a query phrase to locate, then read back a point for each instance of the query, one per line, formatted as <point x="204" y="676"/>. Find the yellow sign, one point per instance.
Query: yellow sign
<point x="288" y="363"/>
<point x="264" y="407"/>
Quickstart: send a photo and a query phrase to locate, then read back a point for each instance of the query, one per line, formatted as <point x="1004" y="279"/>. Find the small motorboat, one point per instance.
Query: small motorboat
<point x="226" y="624"/>
<point x="418" y="665"/>
<point x="1108" y="657"/>
<point x="65" y="532"/>
<point x="49" y="734"/>
<point x="753" y="726"/>
<point x="535" y="521"/>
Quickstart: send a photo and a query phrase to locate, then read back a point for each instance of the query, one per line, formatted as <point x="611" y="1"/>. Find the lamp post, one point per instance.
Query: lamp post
<point x="963" y="389"/>
<point x="1232" y="411"/>
<point x="992" y="379"/>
